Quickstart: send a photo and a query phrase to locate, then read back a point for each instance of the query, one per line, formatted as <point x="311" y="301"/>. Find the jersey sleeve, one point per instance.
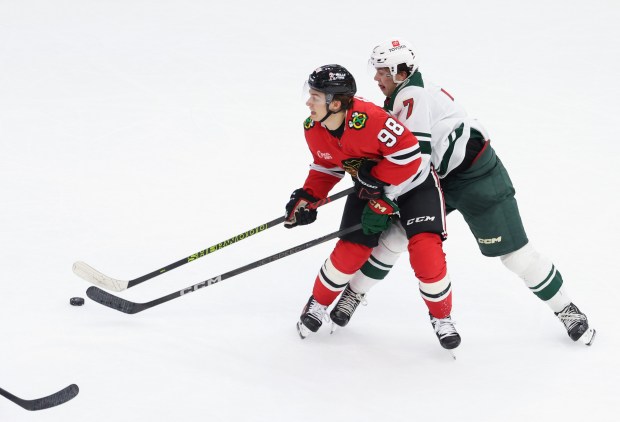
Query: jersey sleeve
<point x="322" y="176"/>
<point x="320" y="182"/>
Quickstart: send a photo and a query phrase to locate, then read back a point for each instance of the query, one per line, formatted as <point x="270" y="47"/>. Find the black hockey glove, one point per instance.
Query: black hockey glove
<point x="297" y="213"/>
<point x="366" y="185"/>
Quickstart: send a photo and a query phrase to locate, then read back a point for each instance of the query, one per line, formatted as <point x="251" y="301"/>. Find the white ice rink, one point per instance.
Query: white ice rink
<point x="134" y="133"/>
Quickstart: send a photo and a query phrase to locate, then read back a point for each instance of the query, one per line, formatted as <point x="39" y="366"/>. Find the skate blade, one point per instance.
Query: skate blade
<point x="451" y="351"/>
<point x="588" y="337"/>
<point x="302" y="330"/>
<point x="333" y="329"/>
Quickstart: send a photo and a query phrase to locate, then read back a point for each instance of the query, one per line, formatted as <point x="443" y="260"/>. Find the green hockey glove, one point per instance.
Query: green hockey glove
<point x="378" y="214"/>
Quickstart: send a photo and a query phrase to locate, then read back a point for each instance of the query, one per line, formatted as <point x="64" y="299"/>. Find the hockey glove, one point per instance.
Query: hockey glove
<point x="366" y="185"/>
<point x="378" y="215"/>
<point x="297" y="213"/>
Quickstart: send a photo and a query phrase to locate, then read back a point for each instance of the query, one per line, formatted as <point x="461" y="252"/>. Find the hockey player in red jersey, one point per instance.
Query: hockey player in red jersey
<point x="394" y="181"/>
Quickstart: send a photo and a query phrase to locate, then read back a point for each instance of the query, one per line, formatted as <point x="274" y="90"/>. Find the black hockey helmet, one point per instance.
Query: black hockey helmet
<point x="332" y="79"/>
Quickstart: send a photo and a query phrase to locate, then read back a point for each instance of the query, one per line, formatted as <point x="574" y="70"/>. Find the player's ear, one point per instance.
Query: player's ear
<point x="335" y="105"/>
<point x="401" y="76"/>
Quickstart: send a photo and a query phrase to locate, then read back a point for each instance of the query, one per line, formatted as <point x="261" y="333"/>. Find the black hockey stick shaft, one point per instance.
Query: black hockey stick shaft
<point x="234" y="239"/>
<point x="52" y="400"/>
<point x="128" y="307"/>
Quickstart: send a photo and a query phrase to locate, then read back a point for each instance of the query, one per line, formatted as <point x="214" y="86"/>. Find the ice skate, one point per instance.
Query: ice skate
<point x="576" y="324"/>
<point x="311" y="318"/>
<point x="446" y="333"/>
<point x="346" y="305"/>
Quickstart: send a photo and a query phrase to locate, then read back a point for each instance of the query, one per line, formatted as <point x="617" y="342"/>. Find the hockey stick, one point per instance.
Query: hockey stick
<point x="52" y="400"/>
<point x="88" y="273"/>
<point x="128" y="307"/>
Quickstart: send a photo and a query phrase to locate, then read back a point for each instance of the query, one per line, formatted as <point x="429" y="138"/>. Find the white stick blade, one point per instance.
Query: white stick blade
<point x="88" y="273"/>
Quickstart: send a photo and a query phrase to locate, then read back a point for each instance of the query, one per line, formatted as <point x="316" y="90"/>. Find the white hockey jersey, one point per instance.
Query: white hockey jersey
<point x="441" y="125"/>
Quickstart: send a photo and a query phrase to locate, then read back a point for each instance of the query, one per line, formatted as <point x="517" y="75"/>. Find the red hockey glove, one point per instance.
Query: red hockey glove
<point x="296" y="211"/>
<point x="378" y="215"/>
<point x="366" y="185"/>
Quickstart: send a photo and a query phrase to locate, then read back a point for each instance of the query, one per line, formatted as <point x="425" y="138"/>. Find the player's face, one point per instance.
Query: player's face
<point x="316" y="104"/>
<point x="385" y="81"/>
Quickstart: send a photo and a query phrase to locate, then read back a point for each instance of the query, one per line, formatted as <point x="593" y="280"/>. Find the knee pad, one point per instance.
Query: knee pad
<point x="394" y="239"/>
<point x="427" y="257"/>
<point x="528" y="264"/>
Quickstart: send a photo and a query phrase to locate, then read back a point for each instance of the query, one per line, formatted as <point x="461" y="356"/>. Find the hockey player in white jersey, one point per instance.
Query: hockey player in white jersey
<point x="474" y="182"/>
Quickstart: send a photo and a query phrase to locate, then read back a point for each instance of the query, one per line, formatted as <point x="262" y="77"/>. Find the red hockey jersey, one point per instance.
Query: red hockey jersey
<point x="369" y="132"/>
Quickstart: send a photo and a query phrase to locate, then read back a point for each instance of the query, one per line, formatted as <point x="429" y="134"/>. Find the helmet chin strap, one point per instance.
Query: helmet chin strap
<point x="329" y="113"/>
<point x="398" y="83"/>
<point x="328" y="101"/>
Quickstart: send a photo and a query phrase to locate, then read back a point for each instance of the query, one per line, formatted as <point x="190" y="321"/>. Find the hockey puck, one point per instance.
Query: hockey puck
<point x="76" y="301"/>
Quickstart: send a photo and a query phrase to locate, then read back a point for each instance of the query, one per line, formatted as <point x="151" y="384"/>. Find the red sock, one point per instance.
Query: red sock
<point x="338" y="270"/>
<point x="429" y="264"/>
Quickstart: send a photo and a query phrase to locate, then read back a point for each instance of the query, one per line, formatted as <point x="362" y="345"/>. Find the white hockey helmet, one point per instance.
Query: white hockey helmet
<point x="394" y="52"/>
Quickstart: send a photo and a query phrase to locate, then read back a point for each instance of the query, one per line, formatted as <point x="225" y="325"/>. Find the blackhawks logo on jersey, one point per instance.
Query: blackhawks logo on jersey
<point x="358" y="120"/>
<point x="352" y="165"/>
<point x="308" y="123"/>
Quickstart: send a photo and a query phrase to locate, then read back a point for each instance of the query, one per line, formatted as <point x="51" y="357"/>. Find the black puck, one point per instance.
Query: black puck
<point x="76" y="301"/>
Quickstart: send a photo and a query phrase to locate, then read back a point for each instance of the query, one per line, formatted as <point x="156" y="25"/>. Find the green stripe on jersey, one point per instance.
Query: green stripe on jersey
<point x="425" y="146"/>
<point x="422" y="134"/>
<point x="452" y="138"/>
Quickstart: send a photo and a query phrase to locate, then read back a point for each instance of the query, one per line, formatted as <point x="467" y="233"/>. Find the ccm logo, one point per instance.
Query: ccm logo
<point x="420" y="220"/>
<point x="201" y="285"/>
<point x="490" y="241"/>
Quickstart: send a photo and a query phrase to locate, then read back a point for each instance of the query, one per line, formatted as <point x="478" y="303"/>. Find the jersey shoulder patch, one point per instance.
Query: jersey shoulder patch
<point x="358" y="120"/>
<point x="308" y="123"/>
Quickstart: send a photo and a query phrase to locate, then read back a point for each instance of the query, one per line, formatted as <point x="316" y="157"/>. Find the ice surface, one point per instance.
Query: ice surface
<point x="134" y="133"/>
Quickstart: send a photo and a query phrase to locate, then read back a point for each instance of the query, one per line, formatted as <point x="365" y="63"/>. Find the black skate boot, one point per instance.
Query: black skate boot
<point x="311" y="318"/>
<point x="576" y="324"/>
<point x="347" y="304"/>
<point x="446" y="333"/>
